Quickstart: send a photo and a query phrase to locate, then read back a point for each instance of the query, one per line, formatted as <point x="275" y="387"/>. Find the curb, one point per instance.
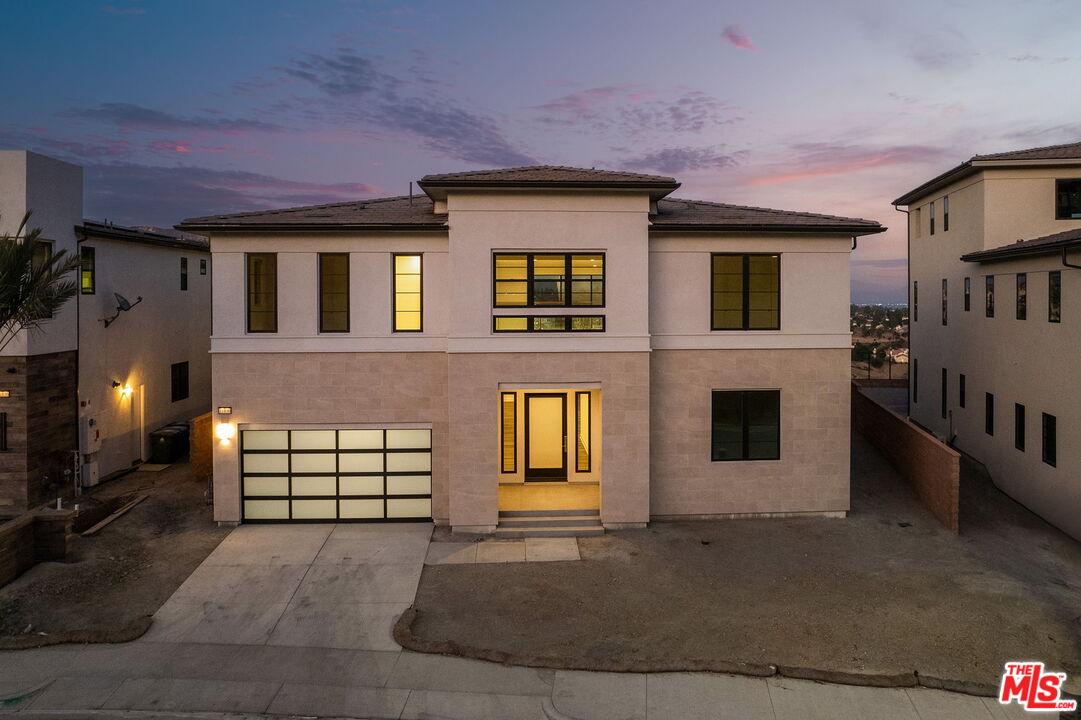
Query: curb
<point x="133" y="631"/>
<point x="404" y="636"/>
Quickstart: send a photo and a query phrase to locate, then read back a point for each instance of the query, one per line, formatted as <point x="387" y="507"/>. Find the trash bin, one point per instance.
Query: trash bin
<point x="169" y="444"/>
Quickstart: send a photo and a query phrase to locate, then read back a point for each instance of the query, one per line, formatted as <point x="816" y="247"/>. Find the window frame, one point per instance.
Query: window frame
<point x="4" y="447"/>
<point x="1049" y="440"/>
<point x="1054" y="296"/>
<point x="745" y="440"/>
<point x="989" y="296"/>
<point x="180" y="381"/>
<point x="968" y="294"/>
<point x="989" y="414"/>
<point x="1058" y="208"/>
<point x="568" y="274"/>
<point x="915" y="301"/>
<point x="1019" y="426"/>
<point x="202" y="266"/>
<point x="1021" y="298"/>
<point x="88" y="252"/>
<point x="183" y="274"/>
<point x="568" y="319"/>
<point x="961" y="390"/>
<point x="394" y="291"/>
<point x="319" y="272"/>
<point x="578" y="396"/>
<point x="931" y="215"/>
<point x="746" y="292"/>
<point x="944" y="296"/>
<point x="248" y="257"/>
<point x="503" y="469"/>
<point x="945" y="213"/>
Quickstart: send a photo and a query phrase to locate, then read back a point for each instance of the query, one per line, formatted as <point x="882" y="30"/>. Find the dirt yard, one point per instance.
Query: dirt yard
<point x="886" y="590"/>
<point x="116" y="578"/>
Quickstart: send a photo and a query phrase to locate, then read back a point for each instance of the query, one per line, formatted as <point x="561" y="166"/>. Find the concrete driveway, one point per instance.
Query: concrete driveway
<point x="324" y="586"/>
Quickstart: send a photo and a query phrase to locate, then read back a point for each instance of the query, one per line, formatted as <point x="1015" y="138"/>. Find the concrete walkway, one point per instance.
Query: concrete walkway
<point x="296" y="620"/>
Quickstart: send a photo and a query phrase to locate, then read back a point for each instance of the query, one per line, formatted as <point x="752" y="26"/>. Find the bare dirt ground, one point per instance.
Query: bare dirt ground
<point x="886" y="590"/>
<point x="116" y="578"/>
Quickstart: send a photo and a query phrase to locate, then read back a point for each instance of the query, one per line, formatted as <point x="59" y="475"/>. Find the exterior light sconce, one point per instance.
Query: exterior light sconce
<point x="225" y="431"/>
<point x="5" y="393"/>
<point x="125" y="390"/>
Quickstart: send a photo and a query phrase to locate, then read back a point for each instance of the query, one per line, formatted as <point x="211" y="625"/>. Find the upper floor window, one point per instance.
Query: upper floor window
<point x="202" y="266"/>
<point x="87" y="275"/>
<point x="4" y="432"/>
<point x="746" y="425"/>
<point x="931" y="212"/>
<point x="262" y="292"/>
<point x="548" y="280"/>
<point x="961" y="390"/>
<point x="746" y="292"/>
<point x="944" y="301"/>
<point x="1050" y="440"/>
<point x="1054" y="296"/>
<point x="333" y="292"/>
<point x="915" y="301"/>
<point x="179" y="372"/>
<point x="408" y="314"/>
<point x="1068" y="199"/>
<point x="989" y="413"/>
<point x="183" y="273"/>
<point x="989" y="296"/>
<point x="968" y="294"/>
<point x="945" y="213"/>
<point x="1022" y="296"/>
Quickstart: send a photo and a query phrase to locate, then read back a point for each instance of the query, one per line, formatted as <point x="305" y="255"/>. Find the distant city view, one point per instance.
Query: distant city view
<point x="880" y="340"/>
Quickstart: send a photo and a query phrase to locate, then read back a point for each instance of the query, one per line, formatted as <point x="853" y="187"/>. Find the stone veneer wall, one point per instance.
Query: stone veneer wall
<point x="813" y="472"/>
<point x="42" y="428"/>
<point x="474" y="381"/>
<point x="330" y="388"/>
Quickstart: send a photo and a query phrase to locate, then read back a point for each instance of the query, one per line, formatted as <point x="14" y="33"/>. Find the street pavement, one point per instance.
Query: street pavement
<point x="295" y="620"/>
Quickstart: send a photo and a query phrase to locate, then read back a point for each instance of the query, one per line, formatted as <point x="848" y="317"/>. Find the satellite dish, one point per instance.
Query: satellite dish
<point x="122" y="302"/>
<point x="122" y="305"/>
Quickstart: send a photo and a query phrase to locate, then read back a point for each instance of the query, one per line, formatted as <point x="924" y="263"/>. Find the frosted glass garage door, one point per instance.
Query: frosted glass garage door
<point x="336" y="475"/>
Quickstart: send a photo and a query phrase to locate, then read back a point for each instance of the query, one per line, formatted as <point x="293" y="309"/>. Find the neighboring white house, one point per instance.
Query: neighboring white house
<point x="60" y="412"/>
<point x="542" y="349"/>
<point x="995" y="302"/>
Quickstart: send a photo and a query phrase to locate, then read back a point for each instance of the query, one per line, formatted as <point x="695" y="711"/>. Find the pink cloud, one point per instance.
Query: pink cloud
<point x="824" y="159"/>
<point x="835" y="169"/>
<point x="737" y="38"/>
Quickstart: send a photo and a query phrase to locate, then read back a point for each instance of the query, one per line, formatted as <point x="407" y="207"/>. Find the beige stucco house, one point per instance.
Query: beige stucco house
<point x="539" y="349"/>
<point x="995" y="299"/>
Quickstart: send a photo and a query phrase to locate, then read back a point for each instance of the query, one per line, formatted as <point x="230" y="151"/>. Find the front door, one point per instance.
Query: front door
<point x="545" y="436"/>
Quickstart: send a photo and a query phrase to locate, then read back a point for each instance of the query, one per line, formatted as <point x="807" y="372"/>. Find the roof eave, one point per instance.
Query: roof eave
<point x="311" y="227"/>
<point x="951" y="175"/>
<point x="1010" y="253"/>
<point x="437" y="189"/>
<point x="802" y="229"/>
<point x="103" y="233"/>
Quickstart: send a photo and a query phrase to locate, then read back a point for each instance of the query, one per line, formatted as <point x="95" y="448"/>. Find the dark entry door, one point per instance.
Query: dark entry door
<point x="545" y="436"/>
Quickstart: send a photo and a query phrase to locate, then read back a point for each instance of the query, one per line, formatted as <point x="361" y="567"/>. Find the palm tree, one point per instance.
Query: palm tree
<point x="33" y="284"/>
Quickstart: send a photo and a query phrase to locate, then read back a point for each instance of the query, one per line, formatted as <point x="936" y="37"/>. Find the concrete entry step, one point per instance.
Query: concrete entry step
<point x="546" y="513"/>
<point x="548" y="532"/>
<point x="552" y="521"/>
<point x="549" y="523"/>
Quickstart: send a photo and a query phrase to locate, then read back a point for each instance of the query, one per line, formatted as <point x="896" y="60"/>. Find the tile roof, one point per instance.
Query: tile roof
<point x="677" y="214"/>
<point x="379" y="213"/>
<point x="1046" y="244"/>
<point x="1069" y="151"/>
<point x="146" y="235"/>
<point x="547" y="174"/>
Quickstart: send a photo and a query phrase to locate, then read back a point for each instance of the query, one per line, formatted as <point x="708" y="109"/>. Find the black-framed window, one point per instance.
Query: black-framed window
<point x="508" y="423"/>
<point x="944" y="395"/>
<point x="915" y="301"/>
<point x="408" y="292"/>
<point x="1068" y="199"/>
<point x="746" y="292"/>
<point x="547" y="323"/>
<point x="932" y="216"/>
<point x="943" y="301"/>
<point x="3" y="431"/>
<point x="262" y="292"/>
<point x="1019" y="426"/>
<point x="179" y="372"/>
<point x="1050" y="440"/>
<point x="183" y="273"/>
<point x="945" y="213"/>
<point x="968" y="294"/>
<point x="1022" y="296"/>
<point x="989" y="296"/>
<point x="1054" y="296"/>
<point x="88" y="283"/>
<point x="961" y="390"/>
<point x="989" y="413"/>
<point x="548" y="279"/>
<point x="583" y="432"/>
<point x="202" y="266"/>
<point x="333" y="292"/>
<point x="746" y="425"/>
<point x="915" y="381"/>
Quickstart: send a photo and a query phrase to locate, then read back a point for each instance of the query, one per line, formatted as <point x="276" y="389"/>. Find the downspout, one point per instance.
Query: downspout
<point x="1066" y="263"/>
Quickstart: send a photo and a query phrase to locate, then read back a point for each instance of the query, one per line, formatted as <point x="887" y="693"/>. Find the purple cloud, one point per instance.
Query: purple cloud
<point x="681" y="159"/>
<point x="632" y="110"/>
<point x="129" y="116"/>
<point x="737" y="38"/>
<point x="813" y="160"/>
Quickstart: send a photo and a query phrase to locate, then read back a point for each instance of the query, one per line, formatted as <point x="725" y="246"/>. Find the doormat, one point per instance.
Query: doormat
<point x="150" y="467"/>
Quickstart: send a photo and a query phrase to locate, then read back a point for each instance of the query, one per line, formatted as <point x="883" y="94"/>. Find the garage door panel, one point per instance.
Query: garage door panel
<point x="313" y="462"/>
<point x="275" y="486"/>
<point x="315" y="509"/>
<point x="360" y="439"/>
<point x="266" y="509"/>
<point x="409" y="462"/>
<point x="315" y="485"/>
<point x="397" y="439"/>
<point x="409" y="485"/>
<point x="312" y="439"/>
<point x="260" y="463"/>
<point x="362" y="509"/>
<point x="266" y="439"/>
<point x="360" y="462"/>
<point x="361" y="485"/>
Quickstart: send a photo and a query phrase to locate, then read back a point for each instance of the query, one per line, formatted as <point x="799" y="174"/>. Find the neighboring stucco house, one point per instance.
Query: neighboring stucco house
<point x="78" y="398"/>
<point x="995" y="296"/>
<point x="542" y="349"/>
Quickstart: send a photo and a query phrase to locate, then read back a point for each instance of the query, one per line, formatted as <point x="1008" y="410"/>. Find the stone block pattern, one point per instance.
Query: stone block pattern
<point x="812" y="474"/>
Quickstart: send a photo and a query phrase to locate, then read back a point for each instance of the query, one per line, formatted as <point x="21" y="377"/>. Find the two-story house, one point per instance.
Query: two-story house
<point x="995" y="300"/>
<point x="544" y="348"/>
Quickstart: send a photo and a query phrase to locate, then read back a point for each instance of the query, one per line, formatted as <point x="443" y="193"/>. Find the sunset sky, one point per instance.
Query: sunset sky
<point x="179" y="109"/>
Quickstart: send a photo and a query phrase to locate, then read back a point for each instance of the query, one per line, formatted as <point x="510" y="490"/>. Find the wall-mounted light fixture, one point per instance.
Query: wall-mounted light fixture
<point x="225" y="431"/>
<point x="125" y="390"/>
<point x="225" y="410"/>
<point x="5" y="393"/>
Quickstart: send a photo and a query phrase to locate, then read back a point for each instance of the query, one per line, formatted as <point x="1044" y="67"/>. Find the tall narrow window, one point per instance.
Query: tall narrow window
<point x="989" y="413"/>
<point x="1022" y="296"/>
<point x="746" y="425"/>
<point x="408" y="302"/>
<point x="4" y="432"/>
<point x="179" y="372"/>
<point x="915" y="381"/>
<point x="333" y="292"/>
<point x="944" y="395"/>
<point x="968" y="294"/>
<point x="989" y="296"/>
<point x="932" y="216"/>
<point x="583" y="431"/>
<point x="183" y="273"/>
<point x="961" y="390"/>
<point x="1050" y="440"/>
<point x="746" y="292"/>
<point x="508" y="423"/>
<point x="87" y="274"/>
<point x="945" y="213"/>
<point x="1054" y="296"/>
<point x="202" y="266"/>
<point x="915" y="301"/>
<point x="943" y="301"/>
<point x="262" y="292"/>
<point x="1019" y="426"/>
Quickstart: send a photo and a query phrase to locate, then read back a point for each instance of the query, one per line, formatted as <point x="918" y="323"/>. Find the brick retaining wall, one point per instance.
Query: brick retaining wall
<point x="32" y="538"/>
